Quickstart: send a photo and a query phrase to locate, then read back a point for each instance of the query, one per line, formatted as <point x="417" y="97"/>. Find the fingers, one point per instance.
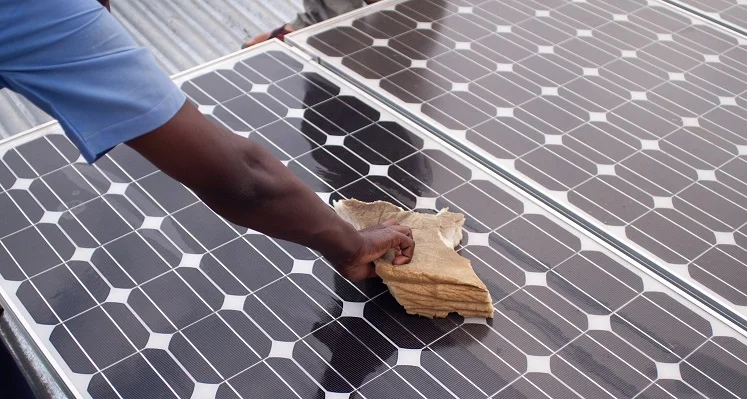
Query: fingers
<point x="390" y="223"/>
<point x="400" y="260"/>
<point x="403" y="243"/>
<point x="391" y="235"/>
<point x="402" y="229"/>
<point x="406" y="247"/>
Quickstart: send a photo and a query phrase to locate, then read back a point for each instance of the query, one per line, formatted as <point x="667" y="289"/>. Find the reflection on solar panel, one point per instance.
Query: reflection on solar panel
<point x="731" y="13"/>
<point x="631" y="115"/>
<point x="137" y="289"/>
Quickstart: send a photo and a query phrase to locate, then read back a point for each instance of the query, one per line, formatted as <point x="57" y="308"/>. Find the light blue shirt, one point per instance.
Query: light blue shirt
<point x="76" y="62"/>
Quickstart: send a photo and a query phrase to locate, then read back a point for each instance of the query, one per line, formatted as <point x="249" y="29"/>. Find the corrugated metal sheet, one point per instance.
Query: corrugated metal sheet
<point x="180" y="33"/>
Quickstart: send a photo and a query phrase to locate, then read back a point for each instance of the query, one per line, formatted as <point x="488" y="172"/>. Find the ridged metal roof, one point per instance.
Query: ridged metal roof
<point x="180" y="33"/>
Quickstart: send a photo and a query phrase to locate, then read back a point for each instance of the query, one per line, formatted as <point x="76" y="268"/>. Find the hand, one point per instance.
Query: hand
<point x="377" y="241"/>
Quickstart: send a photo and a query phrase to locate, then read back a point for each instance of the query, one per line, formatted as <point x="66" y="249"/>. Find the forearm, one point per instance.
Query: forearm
<point x="245" y="184"/>
<point x="274" y="201"/>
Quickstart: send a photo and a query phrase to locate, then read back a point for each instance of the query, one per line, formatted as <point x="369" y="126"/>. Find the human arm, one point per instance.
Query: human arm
<point x="106" y="5"/>
<point x="248" y="186"/>
<point x="89" y="74"/>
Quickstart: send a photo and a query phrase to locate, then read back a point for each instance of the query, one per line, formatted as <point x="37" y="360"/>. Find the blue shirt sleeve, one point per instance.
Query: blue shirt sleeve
<point x="77" y="63"/>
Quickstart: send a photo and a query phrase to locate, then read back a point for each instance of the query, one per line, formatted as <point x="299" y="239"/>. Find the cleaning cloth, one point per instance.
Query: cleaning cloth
<point x="438" y="280"/>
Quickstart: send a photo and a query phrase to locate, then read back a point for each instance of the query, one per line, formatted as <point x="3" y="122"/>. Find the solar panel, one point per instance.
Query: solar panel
<point x="629" y="115"/>
<point x="136" y="289"/>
